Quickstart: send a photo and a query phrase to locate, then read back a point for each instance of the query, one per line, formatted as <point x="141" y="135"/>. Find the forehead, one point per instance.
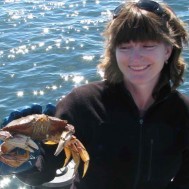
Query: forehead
<point x="139" y="32"/>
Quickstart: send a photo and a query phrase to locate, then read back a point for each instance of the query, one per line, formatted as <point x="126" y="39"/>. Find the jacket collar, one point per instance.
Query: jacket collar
<point x="162" y="93"/>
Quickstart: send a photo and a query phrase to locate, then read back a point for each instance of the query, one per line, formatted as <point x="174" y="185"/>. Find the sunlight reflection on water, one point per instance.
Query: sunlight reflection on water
<point x="43" y="40"/>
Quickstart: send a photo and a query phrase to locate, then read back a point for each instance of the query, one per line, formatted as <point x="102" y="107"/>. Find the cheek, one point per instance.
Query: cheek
<point x="160" y="61"/>
<point x="121" y="64"/>
<point x="121" y="58"/>
<point x="118" y="57"/>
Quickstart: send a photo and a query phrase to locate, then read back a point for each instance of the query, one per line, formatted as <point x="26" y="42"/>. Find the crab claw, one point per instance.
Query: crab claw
<point x="65" y="137"/>
<point x="22" y="141"/>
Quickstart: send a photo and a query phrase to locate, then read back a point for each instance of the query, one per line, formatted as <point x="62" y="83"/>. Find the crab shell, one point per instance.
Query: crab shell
<point x="39" y="127"/>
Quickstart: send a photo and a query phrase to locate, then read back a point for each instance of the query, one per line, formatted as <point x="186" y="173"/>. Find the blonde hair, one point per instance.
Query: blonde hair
<point x="135" y="24"/>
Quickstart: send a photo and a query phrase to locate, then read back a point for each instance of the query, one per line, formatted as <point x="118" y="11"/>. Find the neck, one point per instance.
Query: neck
<point x="142" y="96"/>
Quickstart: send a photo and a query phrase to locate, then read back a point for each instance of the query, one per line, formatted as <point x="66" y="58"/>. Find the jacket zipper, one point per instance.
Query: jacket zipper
<point x="150" y="160"/>
<point x="141" y="120"/>
<point x="139" y="154"/>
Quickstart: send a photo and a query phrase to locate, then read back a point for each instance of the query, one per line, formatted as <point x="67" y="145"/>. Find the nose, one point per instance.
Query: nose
<point x="135" y="54"/>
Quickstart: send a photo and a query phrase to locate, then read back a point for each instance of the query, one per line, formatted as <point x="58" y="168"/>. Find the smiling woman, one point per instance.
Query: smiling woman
<point x="141" y="64"/>
<point x="147" y="51"/>
<point x="138" y="56"/>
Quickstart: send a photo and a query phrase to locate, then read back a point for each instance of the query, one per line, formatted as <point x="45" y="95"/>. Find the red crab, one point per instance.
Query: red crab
<point x="51" y="130"/>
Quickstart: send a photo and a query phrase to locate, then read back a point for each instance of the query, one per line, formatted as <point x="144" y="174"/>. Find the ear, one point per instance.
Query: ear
<point x="168" y="51"/>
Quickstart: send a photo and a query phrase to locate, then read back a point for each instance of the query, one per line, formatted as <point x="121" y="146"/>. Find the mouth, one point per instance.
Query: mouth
<point x="139" y="68"/>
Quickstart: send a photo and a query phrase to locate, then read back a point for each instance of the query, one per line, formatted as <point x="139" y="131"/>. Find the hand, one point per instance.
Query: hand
<point x="28" y="110"/>
<point x="35" y="157"/>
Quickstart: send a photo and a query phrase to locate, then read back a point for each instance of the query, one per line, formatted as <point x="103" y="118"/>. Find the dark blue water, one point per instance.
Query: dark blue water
<point x="47" y="47"/>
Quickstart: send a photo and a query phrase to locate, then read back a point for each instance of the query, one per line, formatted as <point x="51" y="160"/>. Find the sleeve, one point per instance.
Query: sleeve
<point x="67" y="108"/>
<point x="73" y="108"/>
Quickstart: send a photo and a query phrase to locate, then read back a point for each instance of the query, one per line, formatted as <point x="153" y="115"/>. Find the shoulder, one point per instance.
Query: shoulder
<point x="183" y="97"/>
<point x="96" y="85"/>
<point x="183" y="100"/>
<point x="83" y="95"/>
<point x="92" y="89"/>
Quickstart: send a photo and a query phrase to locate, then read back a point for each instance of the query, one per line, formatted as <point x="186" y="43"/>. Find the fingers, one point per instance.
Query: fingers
<point x="26" y="110"/>
<point x="13" y="115"/>
<point x="50" y="110"/>
<point x="35" y="108"/>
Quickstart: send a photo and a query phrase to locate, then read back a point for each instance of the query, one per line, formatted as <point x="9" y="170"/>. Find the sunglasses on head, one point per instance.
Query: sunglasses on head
<point x="147" y="5"/>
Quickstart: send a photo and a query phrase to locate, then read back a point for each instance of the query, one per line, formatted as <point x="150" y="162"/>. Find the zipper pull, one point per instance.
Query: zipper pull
<point x="141" y="121"/>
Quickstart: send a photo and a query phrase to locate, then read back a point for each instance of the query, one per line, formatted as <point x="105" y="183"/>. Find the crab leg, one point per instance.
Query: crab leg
<point x="4" y="135"/>
<point x="76" y="149"/>
<point x="22" y="141"/>
<point x="68" y="156"/>
<point x="83" y="154"/>
<point x="6" y="148"/>
<point x="75" y="154"/>
<point x="76" y="158"/>
<point x="18" y="140"/>
<point x="14" y="160"/>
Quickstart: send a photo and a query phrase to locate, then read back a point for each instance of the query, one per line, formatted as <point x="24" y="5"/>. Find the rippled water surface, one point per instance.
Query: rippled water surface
<point x="47" y="47"/>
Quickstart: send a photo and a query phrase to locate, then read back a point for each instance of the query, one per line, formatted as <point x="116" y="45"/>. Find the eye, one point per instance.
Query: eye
<point x="125" y="46"/>
<point x="149" y="45"/>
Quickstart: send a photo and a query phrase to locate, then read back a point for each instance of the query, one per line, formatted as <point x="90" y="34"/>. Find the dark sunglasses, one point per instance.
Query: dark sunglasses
<point x="147" y="5"/>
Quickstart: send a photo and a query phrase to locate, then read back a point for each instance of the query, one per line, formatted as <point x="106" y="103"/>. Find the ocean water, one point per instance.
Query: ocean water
<point x="47" y="47"/>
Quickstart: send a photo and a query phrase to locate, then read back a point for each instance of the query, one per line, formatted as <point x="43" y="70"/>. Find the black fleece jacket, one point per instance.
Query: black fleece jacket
<point x="128" y="151"/>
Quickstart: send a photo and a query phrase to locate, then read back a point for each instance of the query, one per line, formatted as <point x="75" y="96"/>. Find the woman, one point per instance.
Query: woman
<point x="134" y="124"/>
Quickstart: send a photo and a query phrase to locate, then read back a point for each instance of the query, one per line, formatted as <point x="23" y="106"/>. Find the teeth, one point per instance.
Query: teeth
<point x="137" y="68"/>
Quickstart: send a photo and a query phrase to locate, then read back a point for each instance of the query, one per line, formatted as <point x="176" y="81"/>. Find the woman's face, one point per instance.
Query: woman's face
<point x="142" y="62"/>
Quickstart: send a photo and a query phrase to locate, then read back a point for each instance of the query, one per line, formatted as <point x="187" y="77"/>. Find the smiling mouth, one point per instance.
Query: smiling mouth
<point x="138" y="68"/>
